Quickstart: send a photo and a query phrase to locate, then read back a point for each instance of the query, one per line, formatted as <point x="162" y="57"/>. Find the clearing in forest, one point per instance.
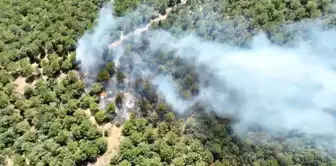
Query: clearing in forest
<point x="20" y="83"/>
<point x="113" y="141"/>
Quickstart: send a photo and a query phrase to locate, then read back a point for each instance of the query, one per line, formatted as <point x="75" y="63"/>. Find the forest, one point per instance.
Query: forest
<point x="48" y="117"/>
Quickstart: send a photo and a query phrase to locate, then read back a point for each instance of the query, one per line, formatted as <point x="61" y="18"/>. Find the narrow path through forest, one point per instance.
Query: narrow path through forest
<point x="140" y="30"/>
<point x="143" y="29"/>
<point x="20" y="83"/>
<point x="115" y="133"/>
<point x="113" y="141"/>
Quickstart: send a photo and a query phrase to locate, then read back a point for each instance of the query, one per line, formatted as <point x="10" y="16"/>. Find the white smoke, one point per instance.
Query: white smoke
<point x="92" y="44"/>
<point x="278" y="88"/>
<point x="166" y="84"/>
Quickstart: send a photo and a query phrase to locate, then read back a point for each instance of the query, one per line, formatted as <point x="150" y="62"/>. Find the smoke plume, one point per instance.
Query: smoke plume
<point x="278" y="88"/>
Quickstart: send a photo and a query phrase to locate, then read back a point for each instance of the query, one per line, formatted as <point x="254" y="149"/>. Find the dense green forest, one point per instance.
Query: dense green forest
<point x="43" y="124"/>
<point x="47" y="121"/>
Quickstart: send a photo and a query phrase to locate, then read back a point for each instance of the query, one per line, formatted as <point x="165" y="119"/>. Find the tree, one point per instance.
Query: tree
<point x="44" y="126"/>
<point x="100" y="116"/>
<point x="62" y="137"/>
<point x="55" y="66"/>
<point x="22" y="127"/>
<point x="124" y="163"/>
<point x="110" y="67"/>
<point x="155" y="161"/>
<point x="26" y="68"/>
<point x="119" y="99"/>
<point x="94" y="107"/>
<point x="120" y="77"/>
<point x="110" y="108"/>
<point x="96" y="88"/>
<point x="103" y="75"/>
<point x="48" y="96"/>
<point x="4" y="100"/>
<point x="19" y="160"/>
<point x="101" y="143"/>
<point x="28" y="91"/>
<point x="179" y="161"/>
<point x="136" y="137"/>
<point x="169" y="117"/>
<point x="150" y="135"/>
<point x="72" y="105"/>
<point x="4" y="77"/>
<point x="66" y="65"/>
<point x="122" y="7"/>
<point x="86" y="101"/>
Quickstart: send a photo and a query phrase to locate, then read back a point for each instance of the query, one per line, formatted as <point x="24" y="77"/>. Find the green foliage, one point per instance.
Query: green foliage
<point x="110" y="108"/>
<point x="48" y="126"/>
<point x="119" y="99"/>
<point x="155" y="149"/>
<point x="4" y="100"/>
<point x="96" y="88"/>
<point x="103" y="75"/>
<point x="43" y="126"/>
<point x="101" y="116"/>
<point x="5" y="78"/>
<point x="120" y="77"/>
<point x="242" y="19"/>
<point x="94" y="107"/>
<point x="40" y="125"/>
<point x="86" y="101"/>
<point x="28" y="91"/>
<point x="110" y="67"/>
<point x="48" y="27"/>
<point x="121" y="6"/>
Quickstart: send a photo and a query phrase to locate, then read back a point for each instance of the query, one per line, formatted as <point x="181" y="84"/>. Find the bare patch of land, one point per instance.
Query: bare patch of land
<point x="9" y="162"/>
<point x="92" y="119"/>
<point x="113" y="142"/>
<point x="20" y="83"/>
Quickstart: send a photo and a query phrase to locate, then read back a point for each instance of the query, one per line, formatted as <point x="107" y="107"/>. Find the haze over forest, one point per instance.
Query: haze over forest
<point x="167" y="82"/>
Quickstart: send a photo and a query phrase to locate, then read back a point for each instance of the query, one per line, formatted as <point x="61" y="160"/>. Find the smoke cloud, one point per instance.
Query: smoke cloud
<point x="278" y="88"/>
<point x="91" y="46"/>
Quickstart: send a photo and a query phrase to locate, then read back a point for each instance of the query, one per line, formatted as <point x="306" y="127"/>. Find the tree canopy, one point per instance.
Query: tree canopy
<point x="45" y="106"/>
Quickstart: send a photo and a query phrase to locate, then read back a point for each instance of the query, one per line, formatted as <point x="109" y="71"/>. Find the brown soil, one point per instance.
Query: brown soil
<point x="113" y="141"/>
<point x="9" y="161"/>
<point x="20" y="83"/>
<point x="91" y="117"/>
<point x="61" y="77"/>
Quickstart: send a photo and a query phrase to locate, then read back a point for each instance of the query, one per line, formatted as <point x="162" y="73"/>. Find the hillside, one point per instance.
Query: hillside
<point x="145" y="82"/>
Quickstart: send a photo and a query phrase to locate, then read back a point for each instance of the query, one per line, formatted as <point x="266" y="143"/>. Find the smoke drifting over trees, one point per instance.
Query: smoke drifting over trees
<point x="281" y="89"/>
<point x="199" y="82"/>
<point x="278" y="88"/>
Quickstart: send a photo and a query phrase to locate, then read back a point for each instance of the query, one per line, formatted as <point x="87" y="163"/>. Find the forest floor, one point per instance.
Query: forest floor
<point x="9" y="162"/>
<point x="61" y="77"/>
<point x="114" y="133"/>
<point x="113" y="141"/>
<point x="20" y="83"/>
<point x="91" y="117"/>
